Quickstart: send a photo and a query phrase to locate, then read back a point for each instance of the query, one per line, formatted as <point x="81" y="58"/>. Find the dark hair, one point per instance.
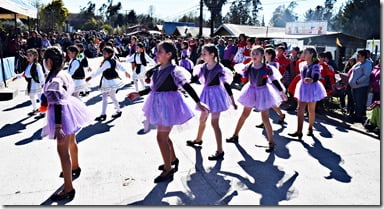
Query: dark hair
<point x="211" y="48"/>
<point x="242" y="34"/>
<point x="259" y="49"/>
<point x="55" y="54"/>
<point x="34" y="52"/>
<point x="296" y="48"/>
<point x="109" y="50"/>
<point x="313" y="51"/>
<point x="73" y="48"/>
<point x="328" y="55"/>
<point x="322" y="55"/>
<point x="363" y="53"/>
<point x="281" y="47"/>
<point x="80" y="46"/>
<point x="271" y="51"/>
<point x="169" y="46"/>
<point x="140" y="45"/>
<point x="185" y="44"/>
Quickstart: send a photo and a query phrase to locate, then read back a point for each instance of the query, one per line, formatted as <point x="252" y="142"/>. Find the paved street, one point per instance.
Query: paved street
<point x="337" y="166"/>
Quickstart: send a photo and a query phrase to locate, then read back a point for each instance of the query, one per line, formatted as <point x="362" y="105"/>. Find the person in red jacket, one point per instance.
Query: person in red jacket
<point x="281" y="59"/>
<point x="327" y="75"/>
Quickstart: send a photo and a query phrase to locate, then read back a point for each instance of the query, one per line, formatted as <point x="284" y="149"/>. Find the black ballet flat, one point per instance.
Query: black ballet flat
<point x="260" y="126"/>
<point x="75" y="173"/>
<point x="216" y="156"/>
<point x="117" y="114"/>
<point x="63" y="196"/>
<point x="101" y="118"/>
<point x="175" y="163"/>
<point x="166" y="177"/>
<point x="192" y="143"/>
<point x="34" y="112"/>
<point x="271" y="147"/>
<point x="281" y="120"/>
<point x="233" y="139"/>
<point x="296" y="134"/>
<point x="310" y="132"/>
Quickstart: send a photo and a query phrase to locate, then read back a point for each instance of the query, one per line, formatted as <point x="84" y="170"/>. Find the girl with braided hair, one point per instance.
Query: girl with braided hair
<point x="165" y="105"/>
<point x="259" y="93"/>
<point x="308" y="91"/>
<point x="35" y="78"/>
<point x="217" y="94"/>
<point x="66" y="115"/>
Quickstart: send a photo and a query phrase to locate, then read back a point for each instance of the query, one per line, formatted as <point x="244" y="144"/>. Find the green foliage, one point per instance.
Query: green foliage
<point x="244" y="12"/>
<point x="107" y="28"/>
<point x="324" y="12"/>
<point x="215" y="7"/>
<point x="53" y="16"/>
<point x="360" y="18"/>
<point x="283" y="14"/>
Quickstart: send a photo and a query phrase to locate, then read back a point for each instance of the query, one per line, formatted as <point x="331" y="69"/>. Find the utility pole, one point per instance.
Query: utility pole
<point x="201" y="19"/>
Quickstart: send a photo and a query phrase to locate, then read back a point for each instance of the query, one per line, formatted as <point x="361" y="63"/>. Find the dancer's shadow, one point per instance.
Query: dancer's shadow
<point x="35" y="136"/>
<point x="126" y="86"/>
<point x="50" y="202"/>
<point x="266" y="179"/>
<point x="24" y="104"/>
<point x="94" y="129"/>
<point x="155" y="196"/>
<point x="281" y="142"/>
<point x="127" y="102"/>
<point x="201" y="183"/>
<point x="15" y="128"/>
<point x="94" y="100"/>
<point x="328" y="159"/>
<point x="324" y="132"/>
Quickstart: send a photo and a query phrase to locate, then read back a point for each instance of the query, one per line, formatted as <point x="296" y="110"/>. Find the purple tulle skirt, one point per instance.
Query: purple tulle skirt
<point x="75" y="116"/>
<point x="216" y="98"/>
<point x="259" y="97"/>
<point x="186" y="63"/>
<point x="166" y="108"/>
<point x="311" y="92"/>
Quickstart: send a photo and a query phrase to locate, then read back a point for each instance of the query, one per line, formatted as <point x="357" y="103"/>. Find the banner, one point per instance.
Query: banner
<point x="306" y="28"/>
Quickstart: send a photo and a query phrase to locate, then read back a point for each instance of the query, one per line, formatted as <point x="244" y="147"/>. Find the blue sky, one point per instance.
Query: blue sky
<point x="170" y="10"/>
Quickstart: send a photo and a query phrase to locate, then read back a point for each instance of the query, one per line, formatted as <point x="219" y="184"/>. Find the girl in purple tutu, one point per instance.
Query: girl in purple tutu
<point x="165" y="105"/>
<point x="185" y="61"/>
<point x="270" y="56"/>
<point x="66" y="115"/>
<point x="308" y="91"/>
<point x="259" y="93"/>
<point x="217" y="94"/>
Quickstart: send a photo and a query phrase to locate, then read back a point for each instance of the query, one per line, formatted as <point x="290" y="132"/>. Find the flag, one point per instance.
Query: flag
<point x="338" y="43"/>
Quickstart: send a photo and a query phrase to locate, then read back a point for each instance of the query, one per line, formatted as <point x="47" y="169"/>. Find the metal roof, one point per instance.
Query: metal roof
<point x="8" y="9"/>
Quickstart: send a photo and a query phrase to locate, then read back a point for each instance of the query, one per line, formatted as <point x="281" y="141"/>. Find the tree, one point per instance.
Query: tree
<point x="215" y="7"/>
<point x="321" y="12"/>
<point x="283" y="14"/>
<point x="112" y="11"/>
<point x="239" y="12"/>
<point x="131" y="17"/>
<point x="53" y="16"/>
<point x="360" y="18"/>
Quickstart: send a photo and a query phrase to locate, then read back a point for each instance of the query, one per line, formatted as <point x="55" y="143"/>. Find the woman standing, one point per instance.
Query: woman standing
<point x="308" y="91"/>
<point x="66" y="115"/>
